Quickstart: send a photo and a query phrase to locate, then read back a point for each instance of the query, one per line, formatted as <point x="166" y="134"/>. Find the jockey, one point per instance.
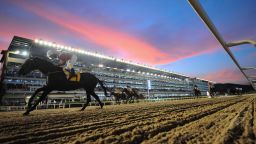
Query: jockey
<point x="64" y="58"/>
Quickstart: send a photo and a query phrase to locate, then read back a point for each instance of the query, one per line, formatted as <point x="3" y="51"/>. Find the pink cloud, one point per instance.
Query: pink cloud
<point x="121" y="44"/>
<point x="226" y="76"/>
<point x="8" y="31"/>
<point x="11" y="28"/>
<point x="3" y="45"/>
<point x="193" y="43"/>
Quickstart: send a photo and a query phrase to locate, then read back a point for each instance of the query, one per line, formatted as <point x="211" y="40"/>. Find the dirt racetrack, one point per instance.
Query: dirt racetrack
<point x="216" y="120"/>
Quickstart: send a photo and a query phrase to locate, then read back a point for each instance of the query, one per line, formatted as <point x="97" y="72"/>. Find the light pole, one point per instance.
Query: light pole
<point x="148" y="86"/>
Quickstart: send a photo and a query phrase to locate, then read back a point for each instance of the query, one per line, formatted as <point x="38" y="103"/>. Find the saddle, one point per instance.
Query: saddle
<point x="75" y="78"/>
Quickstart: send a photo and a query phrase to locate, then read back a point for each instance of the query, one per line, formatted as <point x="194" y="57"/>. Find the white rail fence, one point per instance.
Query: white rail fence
<point x="73" y="105"/>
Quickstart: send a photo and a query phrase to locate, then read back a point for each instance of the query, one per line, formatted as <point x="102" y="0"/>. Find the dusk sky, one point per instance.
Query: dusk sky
<point x="166" y="34"/>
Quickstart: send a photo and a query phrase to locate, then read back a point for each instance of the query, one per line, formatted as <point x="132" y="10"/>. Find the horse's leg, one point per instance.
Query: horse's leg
<point x="87" y="101"/>
<point x="45" y="93"/>
<point x="120" y="99"/>
<point x="116" y="99"/>
<point x="129" y="98"/>
<point x="126" y="98"/>
<point x="97" y="98"/>
<point x="46" y="100"/>
<point x="136" y="96"/>
<point x="33" y="95"/>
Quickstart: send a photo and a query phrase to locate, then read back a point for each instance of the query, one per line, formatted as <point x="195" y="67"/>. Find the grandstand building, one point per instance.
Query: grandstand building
<point x="152" y="82"/>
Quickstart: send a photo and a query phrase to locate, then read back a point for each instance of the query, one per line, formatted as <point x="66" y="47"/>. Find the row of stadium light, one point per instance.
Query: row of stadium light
<point x="57" y="46"/>
<point x="140" y="72"/>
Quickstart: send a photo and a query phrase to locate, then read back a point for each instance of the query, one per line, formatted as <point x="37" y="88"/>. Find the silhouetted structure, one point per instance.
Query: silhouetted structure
<point x="230" y="88"/>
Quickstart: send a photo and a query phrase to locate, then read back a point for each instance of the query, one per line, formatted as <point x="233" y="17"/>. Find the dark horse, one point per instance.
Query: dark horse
<point x="196" y="92"/>
<point x="56" y="80"/>
<point x="212" y="91"/>
<point x="132" y="94"/>
<point x="129" y="94"/>
<point x="118" y="95"/>
<point x="137" y="95"/>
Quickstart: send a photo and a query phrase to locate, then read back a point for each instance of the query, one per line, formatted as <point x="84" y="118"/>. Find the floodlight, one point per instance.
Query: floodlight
<point x="54" y="45"/>
<point x="17" y="52"/>
<point x="24" y="53"/>
<point x="40" y="42"/>
<point x="36" y="41"/>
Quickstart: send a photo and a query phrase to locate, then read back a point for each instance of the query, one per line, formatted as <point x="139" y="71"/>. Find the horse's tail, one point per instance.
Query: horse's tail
<point x="104" y="88"/>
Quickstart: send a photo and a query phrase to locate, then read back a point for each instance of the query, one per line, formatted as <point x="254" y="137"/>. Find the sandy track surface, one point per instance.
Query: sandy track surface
<point x="217" y="120"/>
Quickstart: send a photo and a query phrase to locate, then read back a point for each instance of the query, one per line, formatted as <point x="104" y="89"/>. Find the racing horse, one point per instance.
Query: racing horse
<point x="56" y="80"/>
<point x="137" y="95"/>
<point x="196" y="92"/>
<point x="129" y="94"/>
<point x="118" y="95"/>
<point x="132" y="94"/>
<point x="212" y="91"/>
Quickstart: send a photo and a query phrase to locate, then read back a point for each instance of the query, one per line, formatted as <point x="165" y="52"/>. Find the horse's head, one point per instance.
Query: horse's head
<point x="36" y="63"/>
<point x="27" y="66"/>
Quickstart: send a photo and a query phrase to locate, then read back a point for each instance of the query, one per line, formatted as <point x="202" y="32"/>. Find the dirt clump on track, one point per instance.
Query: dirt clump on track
<point x="216" y="120"/>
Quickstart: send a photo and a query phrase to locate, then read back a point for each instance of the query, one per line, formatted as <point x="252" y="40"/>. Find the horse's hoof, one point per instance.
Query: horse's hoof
<point x="81" y="110"/>
<point x="100" y="107"/>
<point x="26" y="114"/>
